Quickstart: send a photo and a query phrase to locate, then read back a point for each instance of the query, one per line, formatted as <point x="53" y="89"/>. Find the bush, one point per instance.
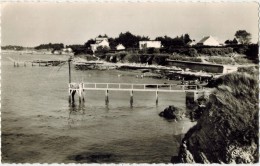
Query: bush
<point x="132" y="58"/>
<point x="216" y="51"/>
<point x="89" y="57"/>
<point x="185" y="58"/>
<point x="146" y="58"/>
<point x="241" y="60"/>
<point x="252" y="52"/>
<point x="241" y="49"/>
<point x="221" y="60"/>
<point x="121" y="56"/>
<point x="153" y="51"/>
<point x="102" y="50"/>
<point x="192" y="52"/>
<point x="160" y="59"/>
<point x="252" y="70"/>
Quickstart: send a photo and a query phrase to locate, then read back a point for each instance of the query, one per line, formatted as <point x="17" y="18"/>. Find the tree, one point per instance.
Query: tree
<point x="144" y="38"/>
<point x="112" y="43"/>
<point x="187" y="38"/>
<point x="231" y="42"/>
<point x="128" y="40"/>
<point x="243" y="36"/>
<point x="102" y="50"/>
<point x="105" y="35"/>
<point x="89" y="42"/>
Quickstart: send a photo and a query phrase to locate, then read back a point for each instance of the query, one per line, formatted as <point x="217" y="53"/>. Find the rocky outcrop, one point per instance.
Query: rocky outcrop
<point x="227" y="130"/>
<point x="172" y="112"/>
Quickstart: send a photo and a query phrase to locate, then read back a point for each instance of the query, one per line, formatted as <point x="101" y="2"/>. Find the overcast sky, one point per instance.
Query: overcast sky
<point x="31" y="24"/>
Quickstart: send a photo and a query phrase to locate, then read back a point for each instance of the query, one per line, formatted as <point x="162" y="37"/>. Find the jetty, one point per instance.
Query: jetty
<point x="18" y="63"/>
<point x="47" y="62"/>
<point x="192" y="91"/>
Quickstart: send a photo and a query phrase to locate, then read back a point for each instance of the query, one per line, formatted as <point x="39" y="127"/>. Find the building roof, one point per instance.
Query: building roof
<point x="206" y="38"/>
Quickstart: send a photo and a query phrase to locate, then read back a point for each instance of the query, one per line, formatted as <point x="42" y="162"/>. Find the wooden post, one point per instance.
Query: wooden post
<point x="32" y="63"/>
<point x="131" y="98"/>
<point x="190" y="99"/>
<point x="24" y="64"/>
<point x="72" y="94"/>
<point x="80" y="92"/>
<point x="17" y="64"/>
<point x="14" y="64"/>
<point x="156" y="95"/>
<point x="106" y="97"/>
<point x="69" y="69"/>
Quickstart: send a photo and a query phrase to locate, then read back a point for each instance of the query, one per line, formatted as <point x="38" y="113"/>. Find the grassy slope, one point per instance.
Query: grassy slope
<point x="228" y="131"/>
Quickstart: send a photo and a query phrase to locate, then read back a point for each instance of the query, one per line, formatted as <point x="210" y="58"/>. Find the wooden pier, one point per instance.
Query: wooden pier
<point x="79" y="88"/>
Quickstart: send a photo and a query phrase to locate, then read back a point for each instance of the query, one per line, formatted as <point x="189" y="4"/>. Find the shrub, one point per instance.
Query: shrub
<point x="160" y="59"/>
<point x="89" y="57"/>
<point x="221" y="60"/>
<point x="146" y="58"/>
<point x="192" y="52"/>
<point x="216" y="51"/>
<point x="153" y="51"/>
<point x="185" y="58"/>
<point x="242" y="60"/>
<point x="132" y="58"/>
<point x="102" y="50"/>
<point x="252" y="52"/>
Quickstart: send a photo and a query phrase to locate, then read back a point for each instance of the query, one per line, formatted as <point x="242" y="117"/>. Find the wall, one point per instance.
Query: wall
<point x="149" y="44"/>
<point x="211" y="68"/>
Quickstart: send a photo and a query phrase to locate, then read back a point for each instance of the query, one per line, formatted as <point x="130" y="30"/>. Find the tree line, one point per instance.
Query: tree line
<point x="130" y="40"/>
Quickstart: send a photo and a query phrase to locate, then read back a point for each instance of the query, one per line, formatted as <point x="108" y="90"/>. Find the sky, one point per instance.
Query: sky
<point x="30" y="23"/>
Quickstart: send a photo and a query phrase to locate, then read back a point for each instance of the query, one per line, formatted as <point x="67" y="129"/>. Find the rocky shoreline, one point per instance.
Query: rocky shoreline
<point x="227" y="131"/>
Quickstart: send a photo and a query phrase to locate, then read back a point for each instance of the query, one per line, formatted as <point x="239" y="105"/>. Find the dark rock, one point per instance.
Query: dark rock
<point x="172" y="112"/>
<point x="97" y="157"/>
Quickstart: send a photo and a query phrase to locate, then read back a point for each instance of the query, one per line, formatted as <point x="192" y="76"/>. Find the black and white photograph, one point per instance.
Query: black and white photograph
<point x="113" y="82"/>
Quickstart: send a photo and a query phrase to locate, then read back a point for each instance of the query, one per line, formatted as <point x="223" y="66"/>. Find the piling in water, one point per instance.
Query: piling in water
<point x="131" y="98"/>
<point x="106" y="98"/>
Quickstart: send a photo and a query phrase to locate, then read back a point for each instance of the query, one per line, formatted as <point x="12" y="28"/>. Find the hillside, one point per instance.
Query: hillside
<point x="227" y="132"/>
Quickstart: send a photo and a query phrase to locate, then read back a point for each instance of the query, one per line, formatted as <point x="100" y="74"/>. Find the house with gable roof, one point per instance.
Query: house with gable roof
<point x="208" y="41"/>
<point x="120" y="47"/>
<point x="100" y="41"/>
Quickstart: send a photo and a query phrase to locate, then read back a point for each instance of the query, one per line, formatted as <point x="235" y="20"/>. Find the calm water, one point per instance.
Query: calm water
<point x="39" y="124"/>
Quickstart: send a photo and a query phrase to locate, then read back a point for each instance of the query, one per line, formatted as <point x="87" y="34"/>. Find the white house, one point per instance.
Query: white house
<point x="120" y="47"/>
<point x="208" y="41"/>
<point x="100" y="41"/>
<point x="67" y="50"/>
<point x="149" y="44"/>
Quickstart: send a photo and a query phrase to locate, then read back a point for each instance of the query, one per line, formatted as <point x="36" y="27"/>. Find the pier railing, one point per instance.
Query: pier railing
<point x="80" y="87"/>
<point x="130" y="86"/>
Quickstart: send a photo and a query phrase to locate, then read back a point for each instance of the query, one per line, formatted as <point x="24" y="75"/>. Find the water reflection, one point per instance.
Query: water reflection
<point x="77" y="113"/>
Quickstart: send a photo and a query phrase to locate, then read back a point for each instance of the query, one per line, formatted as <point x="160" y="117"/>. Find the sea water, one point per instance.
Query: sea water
<point x="40" y="125"/>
